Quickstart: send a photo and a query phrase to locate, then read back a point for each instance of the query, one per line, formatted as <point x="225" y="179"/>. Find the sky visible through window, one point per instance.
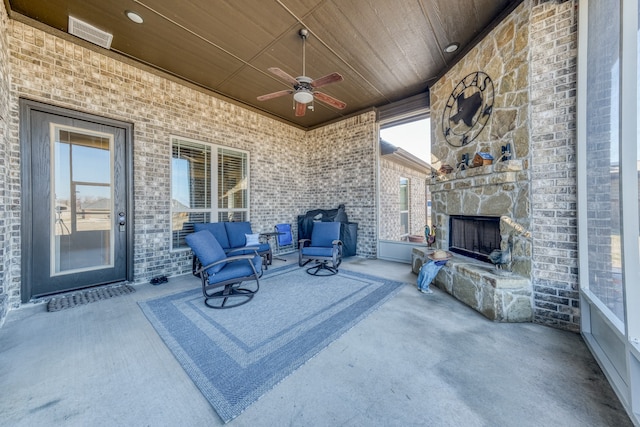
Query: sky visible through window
<point x="414" y="137"/>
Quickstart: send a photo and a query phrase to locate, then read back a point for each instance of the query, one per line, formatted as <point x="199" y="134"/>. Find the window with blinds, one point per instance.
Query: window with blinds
<point x="232" y="185"/>
<point x="208" y="183"/>
<point x="404" y="206"/>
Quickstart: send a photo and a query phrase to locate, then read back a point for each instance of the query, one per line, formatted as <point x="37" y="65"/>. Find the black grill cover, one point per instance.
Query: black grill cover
<point x="348" y="230"/>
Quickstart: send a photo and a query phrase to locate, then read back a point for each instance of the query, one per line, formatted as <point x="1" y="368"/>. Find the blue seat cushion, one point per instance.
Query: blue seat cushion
<point x="236" y="270"/>
<point x="217" y="229"/>
<point x="205" y="246"/>
<point x="236" y="232"/>
<point x="324" y="233"/>
<point x="311" y="251"/>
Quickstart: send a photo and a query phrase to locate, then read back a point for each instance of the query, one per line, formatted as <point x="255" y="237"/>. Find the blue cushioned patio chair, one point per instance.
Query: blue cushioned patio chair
<point x="232" y="236"/>
<point x="284" y="238"/>
<point x="221" y="274"/>
<point x="324" y="247"/>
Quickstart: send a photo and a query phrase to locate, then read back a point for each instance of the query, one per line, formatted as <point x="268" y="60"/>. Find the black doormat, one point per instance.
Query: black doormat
<point x="71" y="300"/>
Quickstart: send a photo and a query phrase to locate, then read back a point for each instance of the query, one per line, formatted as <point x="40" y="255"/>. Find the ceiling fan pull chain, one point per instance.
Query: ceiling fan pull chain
<point x="303" y="34"/>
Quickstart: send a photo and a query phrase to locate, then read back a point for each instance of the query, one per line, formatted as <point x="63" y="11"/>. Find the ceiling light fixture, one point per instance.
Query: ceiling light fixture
<point x="134" y="17"/>
<point x="303" y="96"/>
<point x="451" y="47"/>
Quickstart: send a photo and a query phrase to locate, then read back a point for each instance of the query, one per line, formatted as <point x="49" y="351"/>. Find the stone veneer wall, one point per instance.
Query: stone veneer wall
<point x="390" y="174"/>
<point x="8" y="221"/>
<point x="504" y="56"/>
<point x="501" y="189"/>
<point x="531" y="57"/>
<point x="291" y="170"/>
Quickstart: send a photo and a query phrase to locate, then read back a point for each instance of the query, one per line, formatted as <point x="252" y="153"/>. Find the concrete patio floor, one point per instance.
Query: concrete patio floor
<point x="419" y="360"/>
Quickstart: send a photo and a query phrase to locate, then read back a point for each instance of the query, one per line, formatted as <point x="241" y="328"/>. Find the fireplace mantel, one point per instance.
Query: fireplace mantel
<point x="510" y="171"/>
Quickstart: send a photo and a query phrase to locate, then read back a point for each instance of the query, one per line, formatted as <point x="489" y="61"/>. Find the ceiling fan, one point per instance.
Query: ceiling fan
<point x="304" y="88"/>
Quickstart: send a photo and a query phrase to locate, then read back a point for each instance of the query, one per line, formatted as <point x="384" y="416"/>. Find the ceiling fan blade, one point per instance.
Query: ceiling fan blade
<point x="274" y="95"/>
<point x="283" y="75"/>
<point x="336" y="103"/>
<point x="300" y="109"/>
<point x="328" y="79"/>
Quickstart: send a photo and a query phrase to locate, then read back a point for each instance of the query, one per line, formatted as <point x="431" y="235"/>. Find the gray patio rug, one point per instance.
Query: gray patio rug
<point x="234" y="356"/>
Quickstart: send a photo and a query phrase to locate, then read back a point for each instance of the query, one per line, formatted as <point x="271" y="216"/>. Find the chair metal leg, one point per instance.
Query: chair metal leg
<point x="322" y="268"/>
<point x="241" y="295"/>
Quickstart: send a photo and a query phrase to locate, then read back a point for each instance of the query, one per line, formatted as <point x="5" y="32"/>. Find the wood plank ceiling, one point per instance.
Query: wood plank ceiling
<point x="386" y="50"/>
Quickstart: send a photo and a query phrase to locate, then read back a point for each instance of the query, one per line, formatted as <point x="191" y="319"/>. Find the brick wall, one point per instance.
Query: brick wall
<point x="553" y="40"/>
<point x="390" y="174"/>
<point x="341" y="164"/>
<point x="6" y="217"/>
<point x="291" y="170"/>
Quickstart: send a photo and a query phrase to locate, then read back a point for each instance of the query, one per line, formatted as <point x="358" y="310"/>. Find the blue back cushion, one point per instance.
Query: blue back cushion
<point x="286" y="238"/>
<point x="324" y="233"/>
<point x="205" y="246"/>
<point x="217" y="229"/>
<point x="236" y="232"/>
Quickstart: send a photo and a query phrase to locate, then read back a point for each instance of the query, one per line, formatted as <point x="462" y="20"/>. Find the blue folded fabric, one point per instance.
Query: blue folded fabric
<point x="428" y="272"/>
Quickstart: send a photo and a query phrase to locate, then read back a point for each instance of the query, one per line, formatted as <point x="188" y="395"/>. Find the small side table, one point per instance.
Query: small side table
<point x="269" y="235"/>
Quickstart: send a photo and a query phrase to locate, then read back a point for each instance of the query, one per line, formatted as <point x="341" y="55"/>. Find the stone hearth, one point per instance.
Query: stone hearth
<point x="498" y="295"/>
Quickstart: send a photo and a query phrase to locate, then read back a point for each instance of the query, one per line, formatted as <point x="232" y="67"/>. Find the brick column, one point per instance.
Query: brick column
<point x="553" y="41"/>
<point x="6" y="219"/>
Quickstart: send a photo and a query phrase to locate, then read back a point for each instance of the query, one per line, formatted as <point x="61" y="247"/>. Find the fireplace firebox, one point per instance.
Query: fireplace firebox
<point x="474" y="236"/>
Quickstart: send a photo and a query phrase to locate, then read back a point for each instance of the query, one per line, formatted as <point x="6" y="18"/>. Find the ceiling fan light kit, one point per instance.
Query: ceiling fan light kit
<point x="303" y="96"/>
<point x="304" y="87"/>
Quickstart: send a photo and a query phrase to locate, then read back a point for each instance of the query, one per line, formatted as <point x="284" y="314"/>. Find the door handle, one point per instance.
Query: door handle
<point x="121" y="218"/>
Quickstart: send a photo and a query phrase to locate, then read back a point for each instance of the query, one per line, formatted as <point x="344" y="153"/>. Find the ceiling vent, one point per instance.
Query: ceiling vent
<point x="89" y="33"/>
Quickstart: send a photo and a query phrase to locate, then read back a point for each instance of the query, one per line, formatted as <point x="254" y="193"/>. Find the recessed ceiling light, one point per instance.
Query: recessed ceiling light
<point x="452" y="47"/>
<point x="134" y="17"/>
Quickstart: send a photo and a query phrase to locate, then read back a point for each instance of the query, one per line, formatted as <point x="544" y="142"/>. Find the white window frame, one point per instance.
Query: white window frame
<point x="213" y="210"/>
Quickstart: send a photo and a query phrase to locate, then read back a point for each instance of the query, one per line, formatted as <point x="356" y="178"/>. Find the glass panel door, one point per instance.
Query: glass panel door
<point x="81" y="209"/>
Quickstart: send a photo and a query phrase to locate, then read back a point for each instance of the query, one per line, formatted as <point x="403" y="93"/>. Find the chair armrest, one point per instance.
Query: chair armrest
<point x="241" y="257"/>
<point x="336" y="242"/>
<point x="244" y="248"/>
<point x="303" y="242"/>
<point x="225" y="260"/>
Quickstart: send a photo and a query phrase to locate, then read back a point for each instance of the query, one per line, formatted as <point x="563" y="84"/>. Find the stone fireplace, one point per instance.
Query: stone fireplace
<point x="527" y="115"/>
<point x="485" y="201"/>
<point x="506" y="179"/>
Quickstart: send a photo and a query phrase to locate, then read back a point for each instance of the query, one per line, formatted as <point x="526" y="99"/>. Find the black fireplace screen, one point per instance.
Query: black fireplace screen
<point x="474" y="236"/>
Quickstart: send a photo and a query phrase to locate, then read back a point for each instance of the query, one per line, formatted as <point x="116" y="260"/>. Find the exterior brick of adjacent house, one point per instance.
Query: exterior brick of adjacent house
<point x="390" y="174"/>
